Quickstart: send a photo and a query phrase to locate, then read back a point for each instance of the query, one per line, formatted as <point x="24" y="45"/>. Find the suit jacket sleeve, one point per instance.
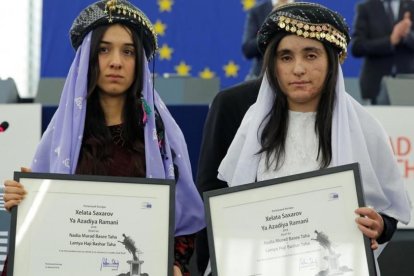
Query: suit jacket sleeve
<point x="249" y="45"/>
<point x="408" y="6"/>
<point x="216" y="140"/>
<point x="408" y="41"/>
<point x="223" y="119"/>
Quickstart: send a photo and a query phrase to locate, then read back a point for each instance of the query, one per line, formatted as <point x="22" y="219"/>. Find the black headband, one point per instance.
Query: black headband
<point x="110" y="12"/>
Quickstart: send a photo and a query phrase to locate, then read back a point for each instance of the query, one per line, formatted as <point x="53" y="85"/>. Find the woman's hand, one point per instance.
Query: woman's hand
<point x="14" y="192"/>
<point x="371" y="224"/>
<point x="177" y="271"/>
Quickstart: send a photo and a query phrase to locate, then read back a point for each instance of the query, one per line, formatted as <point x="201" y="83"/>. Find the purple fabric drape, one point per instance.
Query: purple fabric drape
<point x="59" y="148"/>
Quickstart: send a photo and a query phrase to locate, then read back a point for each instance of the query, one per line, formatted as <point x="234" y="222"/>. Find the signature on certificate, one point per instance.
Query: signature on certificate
<point x="308" y="263"/>
<point x="109" y="263"/>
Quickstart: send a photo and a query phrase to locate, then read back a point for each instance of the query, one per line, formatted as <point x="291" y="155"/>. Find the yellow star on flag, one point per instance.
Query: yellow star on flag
<point x="165" y="52"/>
<point x="183" y="69"/>
<point x="165" y="5"/>
<point x="160" y="27"/>
<point x="231" y="69"/>
<point x="206" y="74"/>
<point x="248" y="4"/>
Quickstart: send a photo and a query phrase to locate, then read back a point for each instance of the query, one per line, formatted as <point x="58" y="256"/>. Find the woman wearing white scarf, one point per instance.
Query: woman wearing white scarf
<point x="331" y="128"/>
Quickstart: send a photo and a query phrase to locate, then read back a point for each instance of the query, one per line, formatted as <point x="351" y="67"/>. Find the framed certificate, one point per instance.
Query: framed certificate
<point x="297" y="225"/>
<point x="92" y="225"/>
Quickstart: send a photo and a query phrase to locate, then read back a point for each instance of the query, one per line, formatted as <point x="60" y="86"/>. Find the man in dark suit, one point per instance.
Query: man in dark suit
<point x="384" y="36"/>
<point x="254" y="20"/>
<point x="224" y="118"/>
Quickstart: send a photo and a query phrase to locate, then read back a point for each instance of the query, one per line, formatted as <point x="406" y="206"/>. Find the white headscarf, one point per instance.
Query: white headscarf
<point x="356" y="137"/>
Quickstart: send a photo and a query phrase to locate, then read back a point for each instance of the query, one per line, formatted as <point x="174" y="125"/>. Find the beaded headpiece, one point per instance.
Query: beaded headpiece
<point x="308" y="20"/>
<point x="110" y="12"/>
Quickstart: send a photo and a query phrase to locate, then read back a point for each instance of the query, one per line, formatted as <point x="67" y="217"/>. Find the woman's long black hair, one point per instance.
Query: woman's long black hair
<point x="275" y="131"/>
<point x="97" y="145"/>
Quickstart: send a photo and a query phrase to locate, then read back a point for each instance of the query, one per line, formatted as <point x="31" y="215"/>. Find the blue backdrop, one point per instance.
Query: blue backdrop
<point x="202" y="36"/>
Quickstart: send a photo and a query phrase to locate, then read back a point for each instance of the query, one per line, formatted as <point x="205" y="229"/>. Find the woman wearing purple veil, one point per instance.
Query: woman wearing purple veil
<point x="111" y="121"/>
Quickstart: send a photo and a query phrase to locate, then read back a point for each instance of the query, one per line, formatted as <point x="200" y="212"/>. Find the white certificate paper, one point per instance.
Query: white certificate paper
<point x="304" y="225"/>
<point x="68" y="227"/>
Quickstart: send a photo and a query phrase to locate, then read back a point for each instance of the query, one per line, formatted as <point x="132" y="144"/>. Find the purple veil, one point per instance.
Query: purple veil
<point x="58" y="150"/>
